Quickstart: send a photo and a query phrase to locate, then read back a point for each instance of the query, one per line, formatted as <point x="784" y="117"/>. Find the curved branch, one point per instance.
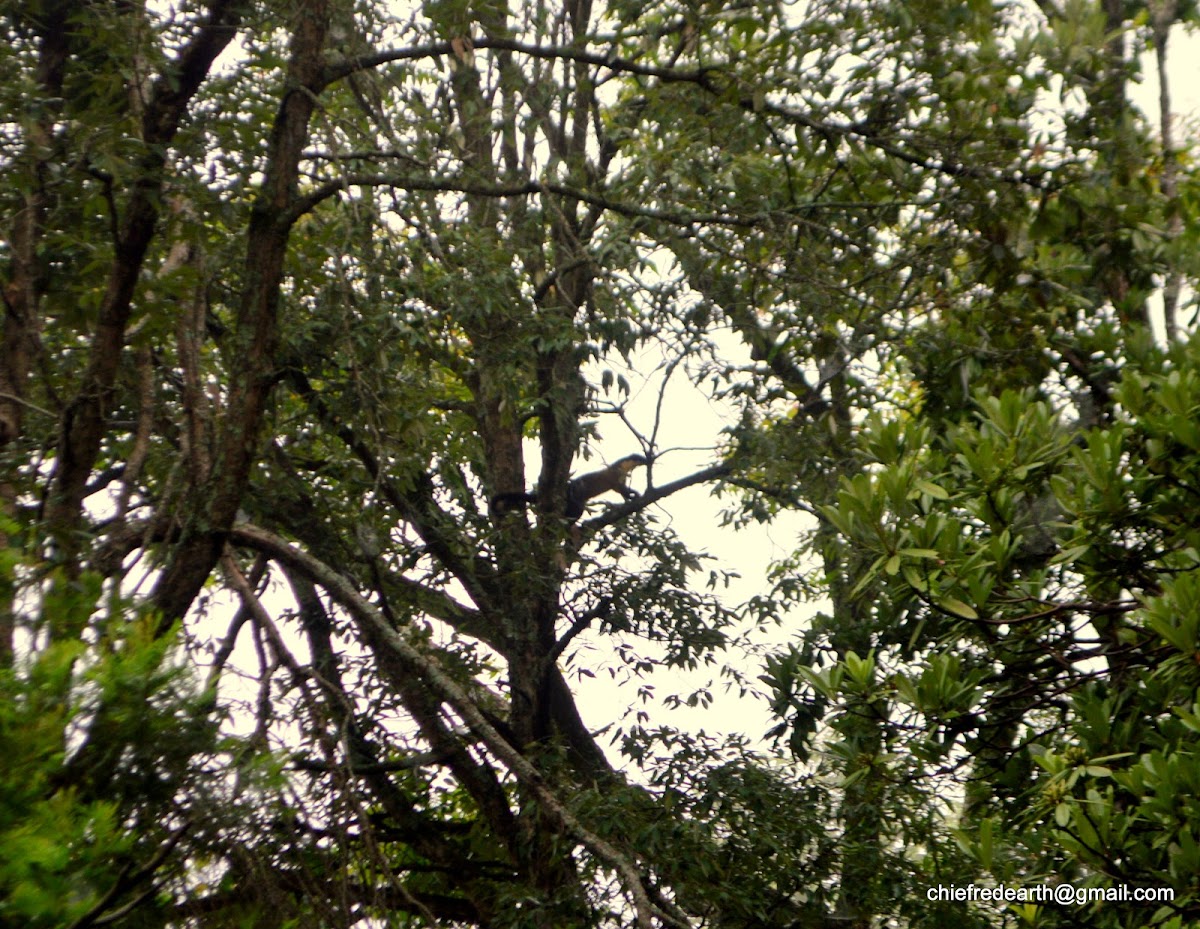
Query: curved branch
<point x="446" y="689"/>
<point x="710" y="79"/>
<point x="346" y="67"/>
<point x="304" y="204"/>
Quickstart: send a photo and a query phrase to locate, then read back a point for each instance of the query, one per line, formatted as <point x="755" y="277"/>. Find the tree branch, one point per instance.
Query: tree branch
<point x="448" y="690"/>
<point x="654" y="494"/>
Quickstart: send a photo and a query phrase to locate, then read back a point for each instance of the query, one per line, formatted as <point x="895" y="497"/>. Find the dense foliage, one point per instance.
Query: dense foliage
<point x="303" y="300"/>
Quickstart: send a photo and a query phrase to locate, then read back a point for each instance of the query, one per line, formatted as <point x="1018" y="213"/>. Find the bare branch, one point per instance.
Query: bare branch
<point x="654" y="494"/>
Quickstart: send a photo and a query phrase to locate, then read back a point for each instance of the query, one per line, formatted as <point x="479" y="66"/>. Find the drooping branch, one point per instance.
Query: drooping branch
<point x="363" y="757"/>
<point x="447" y="690"/>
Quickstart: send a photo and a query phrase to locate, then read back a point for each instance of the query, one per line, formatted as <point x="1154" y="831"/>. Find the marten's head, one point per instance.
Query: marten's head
<point x="629" y="462"/>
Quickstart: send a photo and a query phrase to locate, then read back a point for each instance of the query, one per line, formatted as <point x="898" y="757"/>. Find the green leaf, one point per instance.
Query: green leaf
<point x="958" y="608"/>
<point x="934" y="490"/>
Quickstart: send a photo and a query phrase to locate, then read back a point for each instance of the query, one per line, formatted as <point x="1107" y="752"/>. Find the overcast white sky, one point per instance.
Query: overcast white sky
<point x="694" y="513"/>
<point x="692" y="420"/>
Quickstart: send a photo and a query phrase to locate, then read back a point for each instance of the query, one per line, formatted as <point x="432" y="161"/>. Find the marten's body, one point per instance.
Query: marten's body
<point x="594" y="483"/>
<point x="582" y="488"/>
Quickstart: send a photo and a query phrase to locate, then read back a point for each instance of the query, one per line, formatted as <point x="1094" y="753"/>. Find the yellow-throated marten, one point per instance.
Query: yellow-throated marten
<point x="582" y="488"/>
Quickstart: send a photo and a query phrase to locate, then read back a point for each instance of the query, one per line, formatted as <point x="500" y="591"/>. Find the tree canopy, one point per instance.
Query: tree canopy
<point x="316" y="312"/>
